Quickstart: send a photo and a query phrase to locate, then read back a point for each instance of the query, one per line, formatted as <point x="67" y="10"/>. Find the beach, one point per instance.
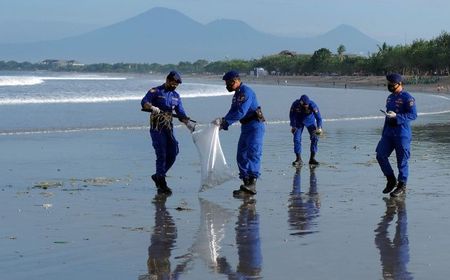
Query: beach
<point x="77" y="200"/>
<point x="442" y="85"/>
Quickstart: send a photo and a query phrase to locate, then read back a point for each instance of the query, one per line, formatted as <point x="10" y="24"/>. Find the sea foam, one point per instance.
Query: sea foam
<point x="35" y="80"/>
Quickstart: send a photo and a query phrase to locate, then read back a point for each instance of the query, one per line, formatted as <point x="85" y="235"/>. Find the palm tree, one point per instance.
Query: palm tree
<point x="340" y="50"/>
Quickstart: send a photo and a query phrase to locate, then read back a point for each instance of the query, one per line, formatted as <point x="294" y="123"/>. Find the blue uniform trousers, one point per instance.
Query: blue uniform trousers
<point x="385" y="147"/>
<point x="166" y="149"/>
<point x="249" y="151"/>
<point x="298" y="139"/>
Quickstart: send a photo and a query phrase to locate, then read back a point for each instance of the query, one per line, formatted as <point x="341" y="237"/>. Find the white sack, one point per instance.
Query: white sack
<point x="214" y="168"/>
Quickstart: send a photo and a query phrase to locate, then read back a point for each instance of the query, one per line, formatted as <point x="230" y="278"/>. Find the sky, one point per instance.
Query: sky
<point x="393" y="22"/>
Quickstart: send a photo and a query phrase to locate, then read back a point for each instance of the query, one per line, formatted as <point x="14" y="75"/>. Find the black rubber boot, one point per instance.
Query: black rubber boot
<point x="156" y="180"/>
<point x="161" y="184"/>
<point x="312" y="159"/>
<point x="400" y="190"/>
<point x="250" y="186"/>
<point x="298" y="160"/>
<point x="164" y="188"/>
<point x="239" y="192"/>
<point x="391" y="183"/>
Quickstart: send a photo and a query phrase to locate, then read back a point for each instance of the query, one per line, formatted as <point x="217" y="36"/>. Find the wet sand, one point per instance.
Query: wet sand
<point x="82" y="206"/>
<point x="355" y="82"/>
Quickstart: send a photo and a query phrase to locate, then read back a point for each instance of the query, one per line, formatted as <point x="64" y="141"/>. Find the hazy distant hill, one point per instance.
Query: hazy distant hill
<point x="166" y="36"/>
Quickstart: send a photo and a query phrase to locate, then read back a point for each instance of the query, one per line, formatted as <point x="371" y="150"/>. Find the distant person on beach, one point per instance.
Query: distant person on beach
<point x="396" y="135"/>
<point x="304" y="112"/>
<point x="245" y="109"/>
<point x="161" y="101"/>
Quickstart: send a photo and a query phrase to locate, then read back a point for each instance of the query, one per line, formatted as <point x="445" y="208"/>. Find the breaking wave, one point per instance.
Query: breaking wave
<point x="95" y="99"/>
<point x="35" y="80"/>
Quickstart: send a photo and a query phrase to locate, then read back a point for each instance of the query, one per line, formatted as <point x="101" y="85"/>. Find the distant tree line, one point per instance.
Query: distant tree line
<point x="420" y="58"/>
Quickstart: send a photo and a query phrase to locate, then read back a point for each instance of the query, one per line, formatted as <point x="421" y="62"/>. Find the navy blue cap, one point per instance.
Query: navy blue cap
<point x="305" y="99"/>
<point x="173" y="75"/>
<point x="394" y="78"/>
<point x="230" y="75"/>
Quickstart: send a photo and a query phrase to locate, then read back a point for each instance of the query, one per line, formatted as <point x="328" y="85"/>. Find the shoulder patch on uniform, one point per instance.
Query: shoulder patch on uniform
<point x="411" y="102"/>
<point x="241" y="97"/>
<point x="153" y="90"/>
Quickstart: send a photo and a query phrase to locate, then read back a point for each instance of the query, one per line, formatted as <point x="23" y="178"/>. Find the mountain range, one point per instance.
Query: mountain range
<point x="164" y="35"/>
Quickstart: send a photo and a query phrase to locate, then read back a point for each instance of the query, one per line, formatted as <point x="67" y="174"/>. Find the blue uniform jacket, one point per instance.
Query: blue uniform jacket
<point x="404" y="105"/>
<point x="244" y="104"/>
<point x="165" y="100"/>
<point x="299" y="116"/>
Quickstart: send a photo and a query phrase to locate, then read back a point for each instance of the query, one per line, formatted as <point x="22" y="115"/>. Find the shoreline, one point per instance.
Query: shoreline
<point x="441" y="86"/>
<point x="355" y="82"/>
<point x="358" y="82"/>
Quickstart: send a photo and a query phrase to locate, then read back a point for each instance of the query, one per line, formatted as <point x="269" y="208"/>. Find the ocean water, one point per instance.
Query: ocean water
<point x="82" y="131"/>
<point x="43" y="102"/>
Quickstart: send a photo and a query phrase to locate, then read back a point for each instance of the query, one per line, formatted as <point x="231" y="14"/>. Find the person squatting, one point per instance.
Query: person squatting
<point x="304" y="112"/>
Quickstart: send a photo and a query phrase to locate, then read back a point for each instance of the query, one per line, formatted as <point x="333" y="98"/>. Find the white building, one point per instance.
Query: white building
<point x="259" y="71"/>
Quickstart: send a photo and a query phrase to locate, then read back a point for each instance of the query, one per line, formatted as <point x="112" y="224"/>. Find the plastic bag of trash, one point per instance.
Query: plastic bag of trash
<point x="214" y="168"/>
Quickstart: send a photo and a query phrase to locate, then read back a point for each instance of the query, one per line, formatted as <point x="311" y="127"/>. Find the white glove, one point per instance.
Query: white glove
<point x="190" y="126"/>
<point x="155" y="110"/>
<point x="319" y="131"/>
<point x="391" y="114"/>
<point x="217" y="121"/>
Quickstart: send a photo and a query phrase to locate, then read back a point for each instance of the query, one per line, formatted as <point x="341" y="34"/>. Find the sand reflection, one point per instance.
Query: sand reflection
<point x="303" y="206"/>
<point x="394" y="254"/>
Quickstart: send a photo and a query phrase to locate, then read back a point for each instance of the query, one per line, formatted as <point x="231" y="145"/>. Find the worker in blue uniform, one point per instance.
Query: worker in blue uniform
<point x="245" y="109"/>
<point x="304" y="112"/>
<point x="396" y="135"/>
<point x="162" y="101"/>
